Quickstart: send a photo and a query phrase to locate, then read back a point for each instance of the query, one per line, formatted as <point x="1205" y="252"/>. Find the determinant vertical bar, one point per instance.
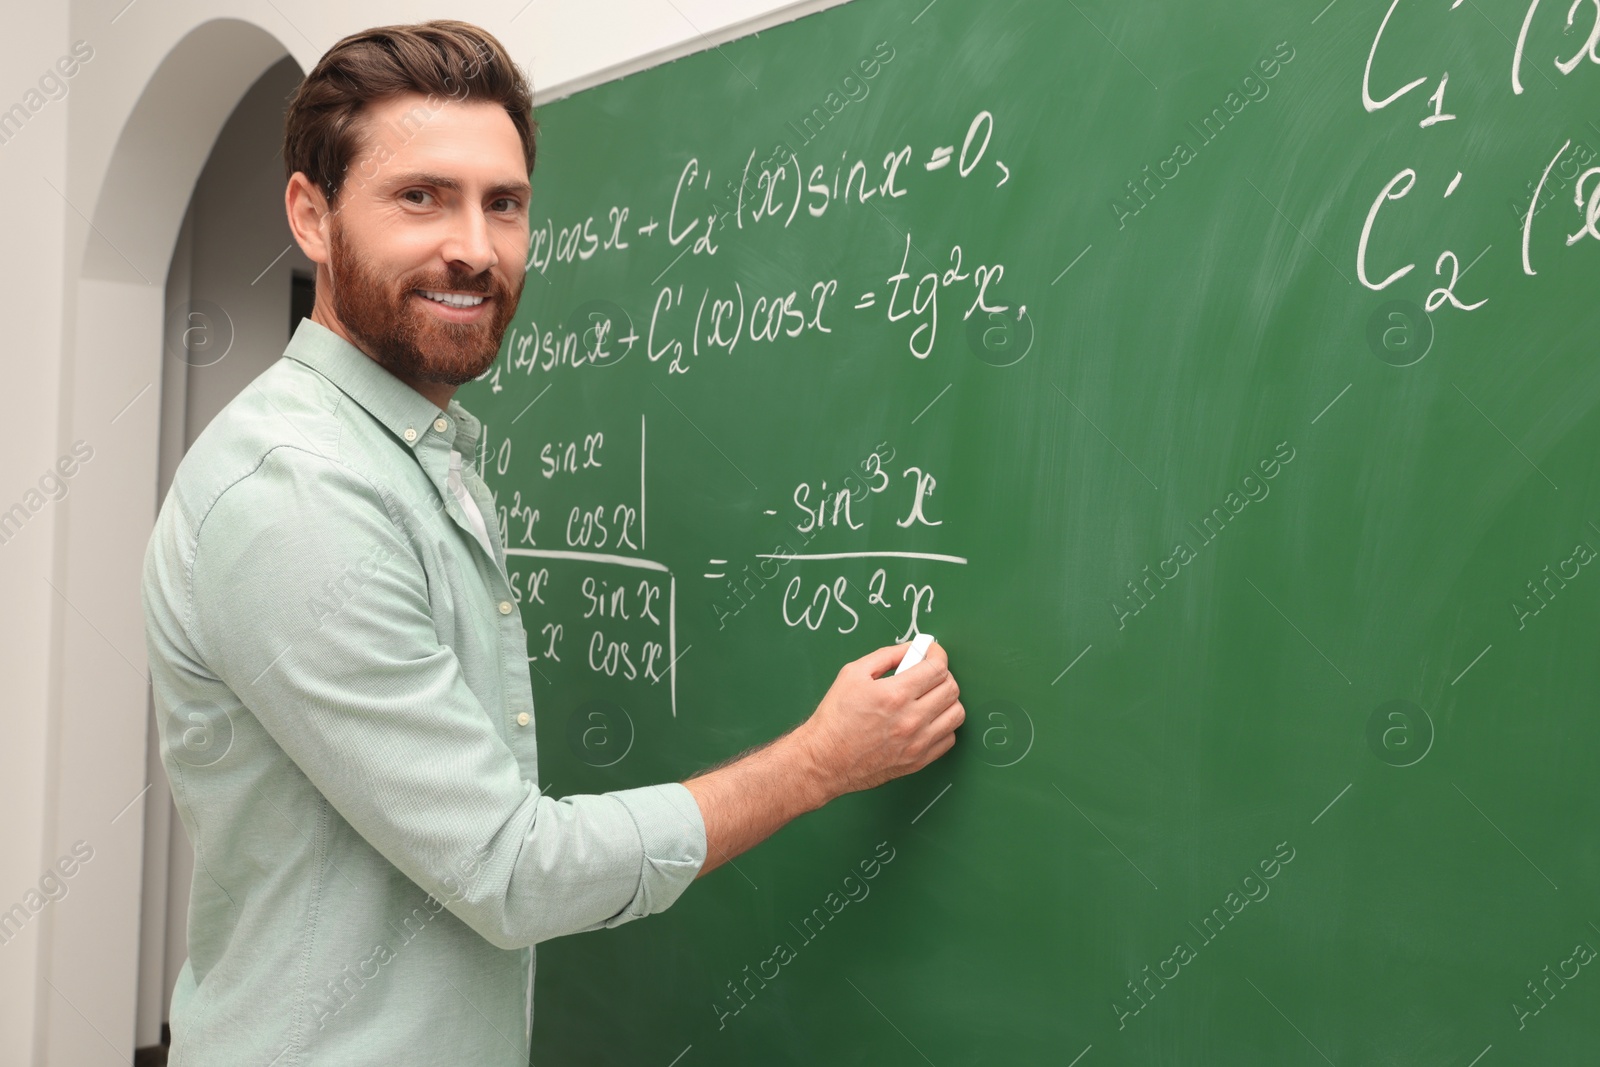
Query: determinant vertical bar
<point x="672" y="640"/>
<point x="641" y="482"/>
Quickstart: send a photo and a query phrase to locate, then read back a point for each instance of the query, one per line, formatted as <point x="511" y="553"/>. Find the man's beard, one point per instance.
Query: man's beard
<point x="406" y="339"/>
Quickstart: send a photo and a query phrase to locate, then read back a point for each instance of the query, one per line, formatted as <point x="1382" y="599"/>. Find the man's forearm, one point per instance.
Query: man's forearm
<point x="870" y="727"/>
<point x="745" y="801"/>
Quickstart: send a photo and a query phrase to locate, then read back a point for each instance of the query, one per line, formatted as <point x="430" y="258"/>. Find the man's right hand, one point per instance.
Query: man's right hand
<point x="867" y="730"/>
<point x="870" y="728"/>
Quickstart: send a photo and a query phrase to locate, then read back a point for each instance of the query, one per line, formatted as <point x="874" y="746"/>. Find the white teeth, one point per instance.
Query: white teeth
<point x="452" y="299"/>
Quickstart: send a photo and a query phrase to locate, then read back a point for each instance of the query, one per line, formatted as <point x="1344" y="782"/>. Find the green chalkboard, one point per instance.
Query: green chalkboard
<point x="1268" y="571"/>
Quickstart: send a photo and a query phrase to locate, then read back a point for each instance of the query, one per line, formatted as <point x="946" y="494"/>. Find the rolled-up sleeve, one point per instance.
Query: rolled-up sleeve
<point x="309" y="599"/>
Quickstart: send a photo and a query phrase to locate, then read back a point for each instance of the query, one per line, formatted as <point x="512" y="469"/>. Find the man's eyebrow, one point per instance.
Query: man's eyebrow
<point x="442" y="181"/>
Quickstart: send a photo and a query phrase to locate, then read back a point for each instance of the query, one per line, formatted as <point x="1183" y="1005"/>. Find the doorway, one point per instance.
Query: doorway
<point x="236" y="285"/>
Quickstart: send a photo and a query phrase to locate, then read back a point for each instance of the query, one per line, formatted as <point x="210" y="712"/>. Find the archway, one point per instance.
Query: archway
<point x="101" y="783"/>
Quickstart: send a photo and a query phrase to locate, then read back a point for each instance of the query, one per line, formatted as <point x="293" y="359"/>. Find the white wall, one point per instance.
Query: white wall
<point x="227" y="295"/>
<point x="34" y="270"/>
<point x="97" y="185"/>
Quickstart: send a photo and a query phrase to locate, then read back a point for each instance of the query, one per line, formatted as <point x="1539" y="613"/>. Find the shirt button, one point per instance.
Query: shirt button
<point x="505" y="607"/>
<point x="440" y="425"/>
<point x="523" y="719"/>
<point x="410" y="434"/>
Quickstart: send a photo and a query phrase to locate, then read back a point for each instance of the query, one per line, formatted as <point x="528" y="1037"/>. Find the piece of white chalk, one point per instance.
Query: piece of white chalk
<point x="919" y="648"/>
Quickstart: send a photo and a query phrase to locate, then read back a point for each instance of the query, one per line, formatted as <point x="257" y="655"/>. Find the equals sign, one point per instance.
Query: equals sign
<point x="717" y="563"/>
<point x="867" y="300"/>
<point x="941" y="158"/>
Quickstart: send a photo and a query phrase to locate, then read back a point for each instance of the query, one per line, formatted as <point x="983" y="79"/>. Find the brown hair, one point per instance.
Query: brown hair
<point x="322" y="129"/>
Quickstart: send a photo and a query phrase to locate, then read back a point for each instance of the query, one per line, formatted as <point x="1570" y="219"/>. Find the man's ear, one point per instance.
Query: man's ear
<point x="308" y="215"/>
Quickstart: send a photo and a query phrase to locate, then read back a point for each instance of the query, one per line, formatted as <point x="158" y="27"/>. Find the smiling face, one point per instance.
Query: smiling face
<point x="421" y="258"/>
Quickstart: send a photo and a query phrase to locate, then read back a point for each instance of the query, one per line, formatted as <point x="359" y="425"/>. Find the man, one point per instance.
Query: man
<point x="340" y="674"/>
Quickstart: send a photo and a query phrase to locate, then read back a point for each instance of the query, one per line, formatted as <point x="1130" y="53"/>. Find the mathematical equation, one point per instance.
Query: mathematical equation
<point x="729" y="315"/>
<point x="588" y="594"/>
<point x="685" y="323"/>
<point x="775" y="189"/>
<point x="594" y="601"/>
<point x="811" y="601"/>
<point x="1586" y="191"/>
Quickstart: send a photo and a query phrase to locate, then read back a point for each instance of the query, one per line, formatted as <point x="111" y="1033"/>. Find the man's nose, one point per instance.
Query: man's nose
<point x="468" y="243"/>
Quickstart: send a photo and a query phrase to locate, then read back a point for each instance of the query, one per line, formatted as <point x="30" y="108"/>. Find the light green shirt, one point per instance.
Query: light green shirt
<point x="345" y="714"/>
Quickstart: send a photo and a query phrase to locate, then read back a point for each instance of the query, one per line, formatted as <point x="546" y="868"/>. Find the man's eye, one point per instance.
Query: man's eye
<point x="413" y="192"/>
<point x="511" y="203"/>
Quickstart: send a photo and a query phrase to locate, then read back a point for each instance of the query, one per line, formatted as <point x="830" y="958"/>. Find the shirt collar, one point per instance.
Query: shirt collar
<point x="406" y="413"/>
